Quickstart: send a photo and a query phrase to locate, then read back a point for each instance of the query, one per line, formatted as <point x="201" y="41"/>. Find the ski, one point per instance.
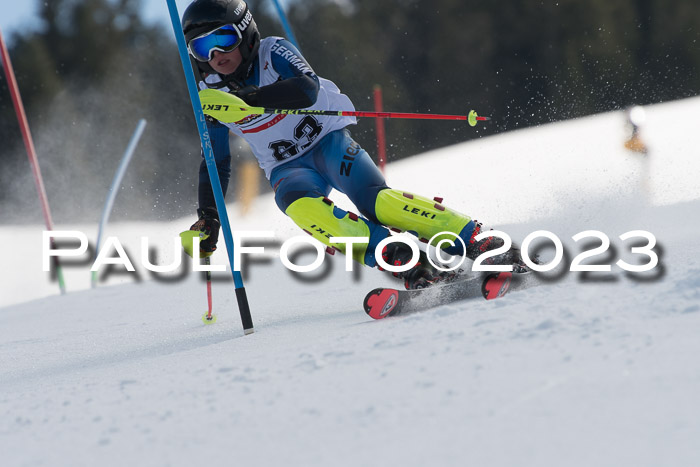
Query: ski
<point x="385" y="301"/>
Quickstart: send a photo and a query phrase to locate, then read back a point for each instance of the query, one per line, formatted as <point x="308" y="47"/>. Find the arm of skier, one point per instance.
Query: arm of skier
<point x="208" y="221"/>
<point x="298" y="85"/>
<point x="218" y="134"/>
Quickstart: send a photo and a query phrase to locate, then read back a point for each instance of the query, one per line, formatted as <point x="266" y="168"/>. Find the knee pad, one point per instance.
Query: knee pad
<point x="423" y="217"/>
<point x="322" y="220"/>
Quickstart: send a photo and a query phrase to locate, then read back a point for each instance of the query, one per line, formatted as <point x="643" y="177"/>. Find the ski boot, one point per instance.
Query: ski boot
<point x="420" y="276"/>
<point x="510" y="257"/>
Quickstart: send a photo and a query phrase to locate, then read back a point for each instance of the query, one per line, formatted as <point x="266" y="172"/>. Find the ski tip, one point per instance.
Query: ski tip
<point x="248" y="331"/>
<point x="206" y="319"/>
<point x="496" y="285"/>
<point x="379" y="303"/>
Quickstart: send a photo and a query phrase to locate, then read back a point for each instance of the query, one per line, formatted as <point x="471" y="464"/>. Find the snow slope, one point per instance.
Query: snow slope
<point x="596" y="370"/>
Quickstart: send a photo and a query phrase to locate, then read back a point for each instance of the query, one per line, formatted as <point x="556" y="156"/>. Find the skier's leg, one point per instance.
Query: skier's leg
<point x="428" y="219"/>
<point x="301" y="193"/>
<point x="350" y="169"/>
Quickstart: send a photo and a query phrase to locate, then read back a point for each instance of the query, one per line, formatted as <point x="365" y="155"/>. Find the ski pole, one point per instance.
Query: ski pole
<point x="187" y="238"/>
<point x="229" y="108"/>
<point x="208" y="318"/>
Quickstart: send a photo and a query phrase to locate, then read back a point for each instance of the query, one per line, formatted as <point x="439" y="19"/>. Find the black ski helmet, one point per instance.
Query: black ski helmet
<point x="202" y="16"/>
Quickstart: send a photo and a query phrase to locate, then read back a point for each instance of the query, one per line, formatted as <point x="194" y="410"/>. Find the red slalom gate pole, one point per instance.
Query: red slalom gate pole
<point x="31" y="152"/>
<point x="381" y="136"/>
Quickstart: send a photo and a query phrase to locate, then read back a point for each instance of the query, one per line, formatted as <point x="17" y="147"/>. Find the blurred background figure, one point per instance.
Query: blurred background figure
<point x="247" y="173"/>
<point x="635" y="120"/>
<point x="636" y="117"/>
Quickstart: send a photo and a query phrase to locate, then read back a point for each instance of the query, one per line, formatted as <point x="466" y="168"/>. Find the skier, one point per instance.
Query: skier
<point x="304" y="157"/>
<point x="635" y="118"/>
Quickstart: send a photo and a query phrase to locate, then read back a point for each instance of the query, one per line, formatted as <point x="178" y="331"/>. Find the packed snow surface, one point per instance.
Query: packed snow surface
<point x="590" y="369"/>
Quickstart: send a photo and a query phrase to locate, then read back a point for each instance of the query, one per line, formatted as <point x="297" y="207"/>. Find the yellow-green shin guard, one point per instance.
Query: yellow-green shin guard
<point x="413" y="213"/>
<point x="316" y="216"/>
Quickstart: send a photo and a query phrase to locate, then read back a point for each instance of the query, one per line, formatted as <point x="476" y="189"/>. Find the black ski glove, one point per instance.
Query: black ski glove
<point x="208" y="223"/>
<point x="298" y="92"/>
<point x="249" y="94"/>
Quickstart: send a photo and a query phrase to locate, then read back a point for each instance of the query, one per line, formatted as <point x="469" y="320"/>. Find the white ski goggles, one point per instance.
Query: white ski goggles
<point x="224" y="39"/>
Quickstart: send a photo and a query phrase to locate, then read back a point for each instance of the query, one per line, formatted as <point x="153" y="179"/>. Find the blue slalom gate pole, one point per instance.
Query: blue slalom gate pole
<point x="210" y="161"/>
<point x="285" y="24"/>
<point x="109" y="204"/>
